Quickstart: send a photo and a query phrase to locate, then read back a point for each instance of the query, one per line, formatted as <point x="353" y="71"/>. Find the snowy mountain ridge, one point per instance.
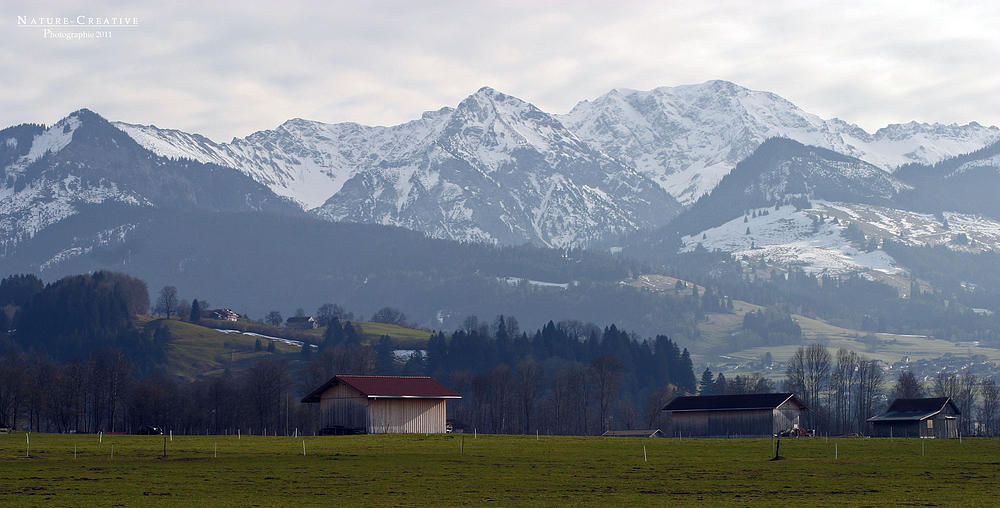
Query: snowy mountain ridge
<point x="497" y="169"/>
<point x="686" y="138"/>
<point x="51" y="174"/>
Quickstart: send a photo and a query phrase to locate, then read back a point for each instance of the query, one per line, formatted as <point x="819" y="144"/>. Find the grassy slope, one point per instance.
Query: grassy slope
<point x="892" y="349"/>
<point x="202" y="351"/>
<point x="413" y="470"/>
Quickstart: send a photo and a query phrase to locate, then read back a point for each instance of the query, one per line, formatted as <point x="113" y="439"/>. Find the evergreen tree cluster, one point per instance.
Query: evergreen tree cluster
<point x="647" y="364"/>
<point x="774" y="327"/>
<point x="71" y="317"/>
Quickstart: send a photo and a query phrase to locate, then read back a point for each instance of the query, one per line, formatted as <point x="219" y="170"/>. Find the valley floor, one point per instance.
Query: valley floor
<point x="463" y="470"/>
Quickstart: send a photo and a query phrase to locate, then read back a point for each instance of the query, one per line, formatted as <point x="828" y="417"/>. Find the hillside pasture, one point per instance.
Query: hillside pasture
<point x="890" y="348"/>
<point x="463" y="470"/>
<point x="198" y="351"/>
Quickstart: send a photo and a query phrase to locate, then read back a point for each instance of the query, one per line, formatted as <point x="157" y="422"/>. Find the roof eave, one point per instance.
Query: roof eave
<point x="414" y="396"/>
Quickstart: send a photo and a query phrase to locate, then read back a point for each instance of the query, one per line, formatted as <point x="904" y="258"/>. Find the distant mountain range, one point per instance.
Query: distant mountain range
<point x="499" y="169"/>
<point x="648" y="172"/>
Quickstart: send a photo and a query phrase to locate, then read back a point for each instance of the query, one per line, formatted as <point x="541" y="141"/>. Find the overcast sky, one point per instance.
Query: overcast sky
<point x="229" y="69"/>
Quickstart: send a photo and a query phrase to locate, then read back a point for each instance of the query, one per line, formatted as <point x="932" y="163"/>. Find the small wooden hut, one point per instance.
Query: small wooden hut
<point x="750" y="415"/>
<point x="935" y="417"/>
<point x="382" y="405"/>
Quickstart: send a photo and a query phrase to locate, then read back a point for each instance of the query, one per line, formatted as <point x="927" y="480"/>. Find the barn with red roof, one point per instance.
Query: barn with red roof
<point x="382" y="404"/>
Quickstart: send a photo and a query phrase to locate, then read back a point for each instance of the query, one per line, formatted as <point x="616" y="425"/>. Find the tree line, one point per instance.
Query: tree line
<point x="100" y="371"/>
<point x="843" y="390"/>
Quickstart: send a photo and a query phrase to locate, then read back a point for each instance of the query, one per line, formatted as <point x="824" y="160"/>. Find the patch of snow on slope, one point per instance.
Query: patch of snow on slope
<point x="797" y="238"/>
<point x="63" y="256"/>
<point x="791" y="237"/>
<point x="290" y="342"/>
<point x="54" y="138"/>
<point x="513" y="281"/>
<point x="43" y="203"/>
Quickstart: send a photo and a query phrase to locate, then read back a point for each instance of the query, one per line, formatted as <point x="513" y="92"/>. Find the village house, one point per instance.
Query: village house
<point x="935" y="417"/>
<point x="220" y="315"/>
<point x="382" y="405"/>
<point x="751" y="415"/>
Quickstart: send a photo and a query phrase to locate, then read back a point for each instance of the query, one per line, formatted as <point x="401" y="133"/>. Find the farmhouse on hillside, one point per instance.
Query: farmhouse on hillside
<point x="382" y="405"/>
<point x="220" y="314"/>
<point x="929" y="417"/>
<point x="752" y="415"/>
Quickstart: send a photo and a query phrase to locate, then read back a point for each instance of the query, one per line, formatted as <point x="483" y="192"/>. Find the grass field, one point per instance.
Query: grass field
<point x="198" y="351"/>
<point x="452" y="470"/>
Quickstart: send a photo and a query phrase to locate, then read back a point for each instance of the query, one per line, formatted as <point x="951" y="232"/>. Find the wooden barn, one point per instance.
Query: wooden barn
<point x="752" y="415"/>
<point x="928" y="418"/>
<point x="382" y="405"/>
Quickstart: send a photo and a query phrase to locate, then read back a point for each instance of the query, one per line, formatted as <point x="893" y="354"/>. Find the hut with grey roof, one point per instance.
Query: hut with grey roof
<point x="935" y="417"/>
<point x="749" y="415"/>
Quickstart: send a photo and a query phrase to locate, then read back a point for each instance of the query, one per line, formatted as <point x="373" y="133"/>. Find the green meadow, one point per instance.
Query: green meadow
<point x="457" y="470"/>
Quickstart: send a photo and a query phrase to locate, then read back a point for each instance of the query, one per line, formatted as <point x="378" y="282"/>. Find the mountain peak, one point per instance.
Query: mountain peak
<point x="492" y="95"/>
<point x="86" y="116"/>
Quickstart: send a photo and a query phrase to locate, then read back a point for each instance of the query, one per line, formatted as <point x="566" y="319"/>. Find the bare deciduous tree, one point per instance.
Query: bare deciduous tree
<point x="389" y="315"/>
<point x="263" y="384"/>
<point x="808" y="375"/>
<point x="657" y="401"/>
<point x="527" y="385"/>
<point x="841" y="390"/>
<point x="274" y="318"/>
<point x="167" y="302"/>
<point x="988" y="412"/>
<point x="868" y="391"/>
<point x="605" y="374"/>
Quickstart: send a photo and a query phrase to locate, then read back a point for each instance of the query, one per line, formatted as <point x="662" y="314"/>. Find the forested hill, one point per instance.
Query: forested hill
<point x="254" y="262"/>
<point x="967" y="183"/>
<point x="70" y="318"/>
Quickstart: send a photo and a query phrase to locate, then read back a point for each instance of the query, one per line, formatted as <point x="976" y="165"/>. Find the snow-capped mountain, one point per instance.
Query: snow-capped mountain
<point x="502" y="170"/>
<point x="824" y="212"/>
<point x="494" y="169"/>
<point x="497" y="169"/>
<point x="783" y="171"/>
<point x="686" y="138"/>
<point x="51" y="174"/>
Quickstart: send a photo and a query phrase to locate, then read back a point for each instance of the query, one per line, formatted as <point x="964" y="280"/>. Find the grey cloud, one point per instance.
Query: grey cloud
<point x="228" y="69"/>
